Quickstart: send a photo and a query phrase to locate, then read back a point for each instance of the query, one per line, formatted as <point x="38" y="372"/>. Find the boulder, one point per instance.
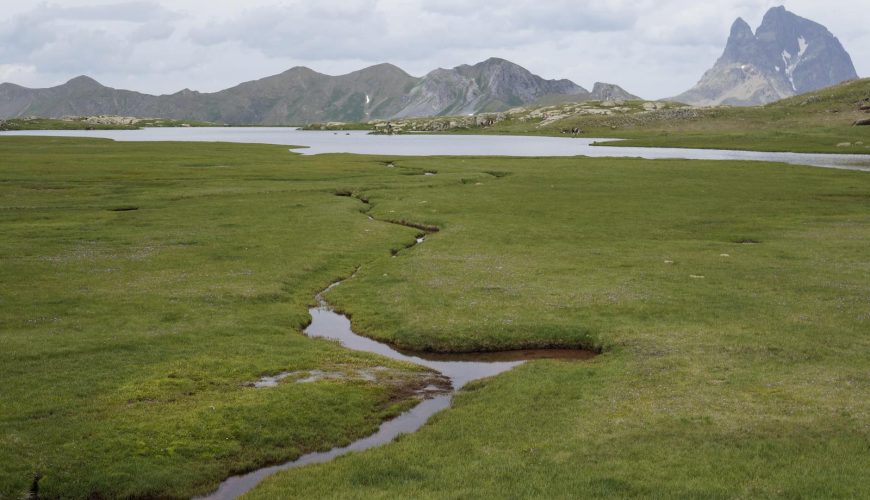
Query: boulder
<point x="860" y="123"/>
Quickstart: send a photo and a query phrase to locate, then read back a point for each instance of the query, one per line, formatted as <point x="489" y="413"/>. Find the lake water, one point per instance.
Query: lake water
<point x="361" y="142"/>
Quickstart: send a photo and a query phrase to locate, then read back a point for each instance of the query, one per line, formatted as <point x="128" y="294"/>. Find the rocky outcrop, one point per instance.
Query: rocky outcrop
<point x="786" y="56"/>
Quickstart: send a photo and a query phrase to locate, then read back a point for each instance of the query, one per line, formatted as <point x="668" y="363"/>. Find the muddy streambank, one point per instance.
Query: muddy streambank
<point x="455" y="370"/>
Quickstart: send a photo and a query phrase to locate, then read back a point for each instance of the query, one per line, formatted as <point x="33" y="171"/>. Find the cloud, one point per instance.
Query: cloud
<point x="303" y="30"/>
<point x="652" y="47"/>
<point x="544" y="17"/>
<point x="152" y="31"/>
<point x="91" y="37"/>
<point x="134" y="12"/>
<point x="382" y="30"/>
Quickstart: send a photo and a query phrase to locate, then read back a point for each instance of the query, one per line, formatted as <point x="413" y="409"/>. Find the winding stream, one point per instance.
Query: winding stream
<point x="459" y="369"/>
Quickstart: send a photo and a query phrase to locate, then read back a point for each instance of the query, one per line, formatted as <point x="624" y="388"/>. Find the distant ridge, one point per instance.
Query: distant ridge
<point x="301" y="95"/>
<point x="786" y="56"/>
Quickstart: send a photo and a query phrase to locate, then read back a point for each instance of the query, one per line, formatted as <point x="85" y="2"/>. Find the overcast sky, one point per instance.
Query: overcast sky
<point x="654" y="48"/>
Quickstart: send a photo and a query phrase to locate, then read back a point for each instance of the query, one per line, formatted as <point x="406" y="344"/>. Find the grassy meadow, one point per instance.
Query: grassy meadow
<point x="144" y="284"/>
<point x="128" y="335"/>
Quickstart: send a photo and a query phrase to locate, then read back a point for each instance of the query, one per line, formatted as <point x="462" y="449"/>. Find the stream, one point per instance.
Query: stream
<point x="459" y="369"/>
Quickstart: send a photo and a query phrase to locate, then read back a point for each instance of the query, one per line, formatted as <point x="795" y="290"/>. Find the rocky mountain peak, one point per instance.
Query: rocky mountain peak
<point x="740" y="30"/>
<point x="493" y="68"/>
<point x="497" y="61"/>
<point x="785" y="56"/>
<point x="775" y="14"/>
<point x="384" y="68"/>
<point x="83" y="82"/>
<point x="491" y="85"/>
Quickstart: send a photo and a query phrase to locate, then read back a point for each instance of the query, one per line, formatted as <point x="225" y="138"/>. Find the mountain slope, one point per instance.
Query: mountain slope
<point x="80" y="96"/>
<point x="786" y="56"/>
<point x="301" y="95"/>
<point x="492" y="85"/>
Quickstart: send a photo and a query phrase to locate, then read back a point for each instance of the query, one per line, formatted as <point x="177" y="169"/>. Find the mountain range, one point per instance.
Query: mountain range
<point x="301" y="95"/>
<point x="787" y="55"/>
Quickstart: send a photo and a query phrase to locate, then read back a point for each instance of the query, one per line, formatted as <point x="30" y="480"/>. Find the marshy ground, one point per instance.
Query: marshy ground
<point x="730" y="299"/>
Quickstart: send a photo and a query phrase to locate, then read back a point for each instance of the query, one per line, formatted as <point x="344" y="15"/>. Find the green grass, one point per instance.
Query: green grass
<point x="723" y="376"/>
<point x="127" y="336"/>
<point x="751" y="381"/>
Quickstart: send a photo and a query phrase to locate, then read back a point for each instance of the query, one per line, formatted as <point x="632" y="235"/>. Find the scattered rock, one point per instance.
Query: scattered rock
<point x="860" y="123"/>
<point x="696" y="276"/>
<point x="844" y="145"/>
<point x="724" y="255"/>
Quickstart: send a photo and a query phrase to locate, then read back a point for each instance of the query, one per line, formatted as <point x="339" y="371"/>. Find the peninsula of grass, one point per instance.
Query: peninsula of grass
<point x="144" y="285"/>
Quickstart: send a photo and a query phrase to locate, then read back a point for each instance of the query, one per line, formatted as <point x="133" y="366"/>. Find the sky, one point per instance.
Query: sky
<point x="652" y="48"/>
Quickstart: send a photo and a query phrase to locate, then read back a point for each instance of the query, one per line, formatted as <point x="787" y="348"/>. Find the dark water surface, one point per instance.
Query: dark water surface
<point x="449" y="145"/>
